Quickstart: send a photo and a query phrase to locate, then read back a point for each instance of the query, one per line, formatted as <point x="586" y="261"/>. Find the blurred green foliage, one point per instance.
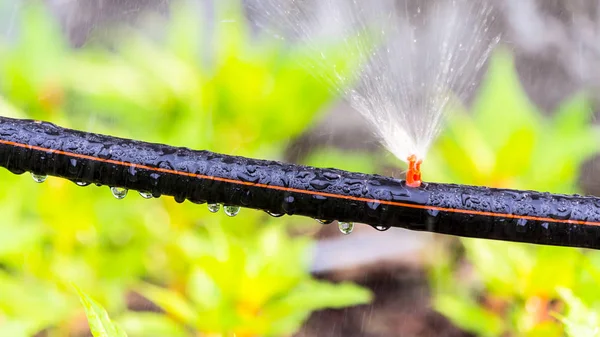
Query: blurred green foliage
<point x="100" y="323"/>
<point x="225" y="90"/>
<point x="272" y="296"/>
<point x="230" y="91"/>
<point x="510" y="289"/>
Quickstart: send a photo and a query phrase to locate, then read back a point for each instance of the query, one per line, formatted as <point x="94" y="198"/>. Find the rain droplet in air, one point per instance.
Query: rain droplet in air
<point x="119" y="192"/>
<point x="346" y="227"/>
<point x="213" y="208"/>
<point x="145" y="195"/>
<point x="39" y="178"/>
<point x="231" y="210"/>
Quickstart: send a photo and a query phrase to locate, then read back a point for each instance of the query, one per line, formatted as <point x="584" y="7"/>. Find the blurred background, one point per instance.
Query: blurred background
<point x="198" y="74"/>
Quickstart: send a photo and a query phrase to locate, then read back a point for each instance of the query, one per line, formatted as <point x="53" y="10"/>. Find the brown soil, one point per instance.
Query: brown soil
<point x="401" y="308"/>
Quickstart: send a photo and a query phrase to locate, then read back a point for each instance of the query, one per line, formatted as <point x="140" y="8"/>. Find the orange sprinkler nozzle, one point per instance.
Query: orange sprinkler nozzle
<point x="413" y="176"/>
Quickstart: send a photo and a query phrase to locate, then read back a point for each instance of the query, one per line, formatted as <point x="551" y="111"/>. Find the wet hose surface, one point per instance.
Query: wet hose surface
<point x="279" y="188"/>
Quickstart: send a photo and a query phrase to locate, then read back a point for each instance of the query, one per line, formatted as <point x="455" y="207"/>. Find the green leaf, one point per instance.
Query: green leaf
<point x="580" y="320"/>
<point x="203" y="290"/>
<point x="287" y="314"/>
<point x="344" y="160"/>
<point x="170" y="301"/>
<point x="150" y="324"/>
<point x="186" y="33"/>
<point x="28" y="301"/>
<point x="502" y="106"/>
<point x="16" y="329"/>
<point x="100" y="323"/>
<point x="516" y="154"/>
<point x="543" y="279"/>
<point x="7" y="110"/>
<point x="502" y="266"/>
<point x="546" y="329"/>
<point x="469" y="315"/>
<point x="19" y="238"/>
<point x="313" y="295"/>
<point x="573" y="115"/>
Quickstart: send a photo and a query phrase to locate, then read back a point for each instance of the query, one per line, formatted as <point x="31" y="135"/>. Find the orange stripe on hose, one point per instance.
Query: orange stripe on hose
<point x="289" y="189"/>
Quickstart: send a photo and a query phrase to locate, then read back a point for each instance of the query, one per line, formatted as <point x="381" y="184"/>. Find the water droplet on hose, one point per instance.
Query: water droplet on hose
<point x="231" y="210"/>
<point x="132" y="174"/>
<point x="433" y="212"/>
<point x="521" y="225"/>
<point x="73" y="166"/>
<point x="82" y="183"/>
<point x="275" y="215"/>
<point x="382" y="228"/>
<point x="16" y="171"/>
<point x="213" y="208"/>
<point x="145" y="195"/>
<point x="39" y="178"/>
<point x="119" y="192"/>
<point x="288" y="205"/>
<point x="346" y="227"/>
<point x="319" y="184"/>
<point x="154" y="179"/>
<point x="324" y="222"/>
<point x="246" y="197"/>
<point x="331" y="175"/>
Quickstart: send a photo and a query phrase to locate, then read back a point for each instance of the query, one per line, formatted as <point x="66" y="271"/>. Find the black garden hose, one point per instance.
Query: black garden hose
<point x="279" y="188"/>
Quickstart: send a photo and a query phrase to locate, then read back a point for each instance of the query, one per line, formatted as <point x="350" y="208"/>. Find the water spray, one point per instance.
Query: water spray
<point x="414" y="64"/>
<point x="279" y="188"/>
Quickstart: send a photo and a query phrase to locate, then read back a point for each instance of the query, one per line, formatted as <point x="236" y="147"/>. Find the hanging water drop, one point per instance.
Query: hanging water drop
<point x="39" y="178"/>
<point x="522" y="225"/>
<point x="382" y="228"/>
<point x="346" y="227"/>
<point x="179" y="199"/>
<point x="145" y="195"/>
<point x="275" y="215"/>
<point x="231" y="210"/>
<point x="119" y="192"/>
<point x="82" y="183"/>
<point x="214" y="208"/>
<point x="324" y="222"/>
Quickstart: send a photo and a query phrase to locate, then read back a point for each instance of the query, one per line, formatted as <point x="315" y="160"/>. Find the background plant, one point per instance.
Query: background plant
<point x="498" y="288"/>
<point x="210" y="274"/>
<point x="243" y="95"/>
